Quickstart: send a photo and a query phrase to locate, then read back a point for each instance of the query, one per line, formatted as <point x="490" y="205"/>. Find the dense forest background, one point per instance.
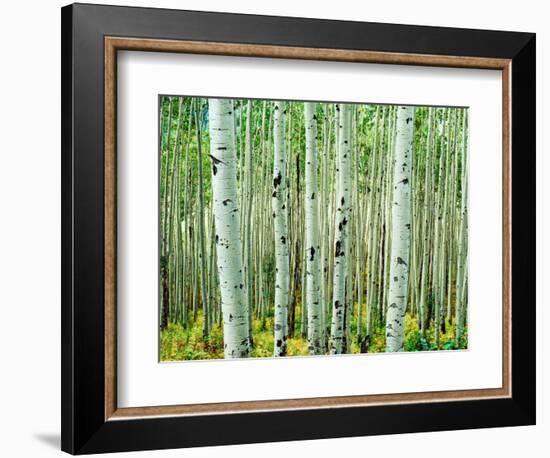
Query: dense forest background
<point x="292" y="228"/>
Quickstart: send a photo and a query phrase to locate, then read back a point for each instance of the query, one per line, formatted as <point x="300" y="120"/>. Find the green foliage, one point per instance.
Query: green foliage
<point x="263" y="338"/>
<point x="450" y="345"/>
<point x="378" y="341"/>
<point x="463" y="342"/>
<point x="415" y="341"/>
<point x="178" y="343"/>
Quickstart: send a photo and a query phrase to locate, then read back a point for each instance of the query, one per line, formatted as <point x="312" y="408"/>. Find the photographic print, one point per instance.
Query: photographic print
<point x="291" y="228"/>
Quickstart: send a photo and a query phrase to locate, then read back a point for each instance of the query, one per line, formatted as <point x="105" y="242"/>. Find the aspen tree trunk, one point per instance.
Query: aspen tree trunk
<point x="164" y="270"/>
<point x="205" y="299"/>
<point x="170" y="242"/>
<point x="326" y="245"/>
<point x="373" y="301"/>
<point x="370" y="225"/>
<point x="383" y="217"/>
<point x="462" y="256"/>
<point x="426" y="226"/>
<point x="177" y="236"/>
<point x="451" y="227"/>
<point x="166" y="178"/>
<point x="359" y="242"/>
<point x="294" y="240"/>
<point x="186" y="259"/>
<point x="314" y="312"/>
<point x="279" y="199"/>
<point x="248" y="215"/>
<point x="387" y="213"/>
<point x="401" y="229"/>
<point x="438" y="246"/>
<point x="303" y="287"/>
<point x="341" y="250"/>
<point x="172" y="248"/>
<point x="212" y="268"/>
<point x="227" y="222"/>
<point x="445" y="244"/>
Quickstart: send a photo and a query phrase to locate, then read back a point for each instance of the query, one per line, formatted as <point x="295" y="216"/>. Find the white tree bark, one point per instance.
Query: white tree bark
<point x="227" y="221"/>
<point x="341" y="220"/>
<point x="401" y="229"/>
<point x="313" y="252"/>
<point x="279" y="201"/>
<point x="462" y="258"/>
<point x="426" y="222"/>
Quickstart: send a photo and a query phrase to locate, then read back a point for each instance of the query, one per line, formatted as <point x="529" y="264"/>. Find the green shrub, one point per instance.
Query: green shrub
<point x="415" y="341"/>
<point x="450" y="345"/>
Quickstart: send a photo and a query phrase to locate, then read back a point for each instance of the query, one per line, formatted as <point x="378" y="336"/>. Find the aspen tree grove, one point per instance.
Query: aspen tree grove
<point x="311" y="228"/>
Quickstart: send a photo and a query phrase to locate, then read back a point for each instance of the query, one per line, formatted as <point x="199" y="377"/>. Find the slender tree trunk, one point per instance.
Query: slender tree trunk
<point x="462" y="256"/>
<point x="279" y="200"/>
<point x="227" y="222"/>
<point x="388" y="163"/>
<point x="204" y="290"/>
<point x="341" y="249"/>
<point x="401" y="229"/>
<point x="165" y="296"/>
<point x="438" y="246"/>
<point x="359" y="242"/>
<point x="164" y="271"/>
<point x="312" y="234"/>
<point x="248" y="215"/>
<point x="426" y="226"/>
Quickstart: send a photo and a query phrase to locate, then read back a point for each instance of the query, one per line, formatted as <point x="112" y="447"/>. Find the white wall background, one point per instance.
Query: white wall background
<point x="30" y="226"/>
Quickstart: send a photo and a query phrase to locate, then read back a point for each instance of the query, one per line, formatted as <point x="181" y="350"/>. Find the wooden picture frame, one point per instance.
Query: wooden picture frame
<point x="91" y="419"/>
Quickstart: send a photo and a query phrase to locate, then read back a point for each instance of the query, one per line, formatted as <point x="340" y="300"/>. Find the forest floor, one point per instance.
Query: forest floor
<point x="179" y="344"/>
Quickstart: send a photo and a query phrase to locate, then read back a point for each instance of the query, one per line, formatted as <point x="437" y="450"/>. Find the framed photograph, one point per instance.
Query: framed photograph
<point x="281" y="228"/>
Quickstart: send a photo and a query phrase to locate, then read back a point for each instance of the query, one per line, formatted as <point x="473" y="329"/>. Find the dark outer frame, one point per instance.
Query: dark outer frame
<point x="85" y="428"/>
